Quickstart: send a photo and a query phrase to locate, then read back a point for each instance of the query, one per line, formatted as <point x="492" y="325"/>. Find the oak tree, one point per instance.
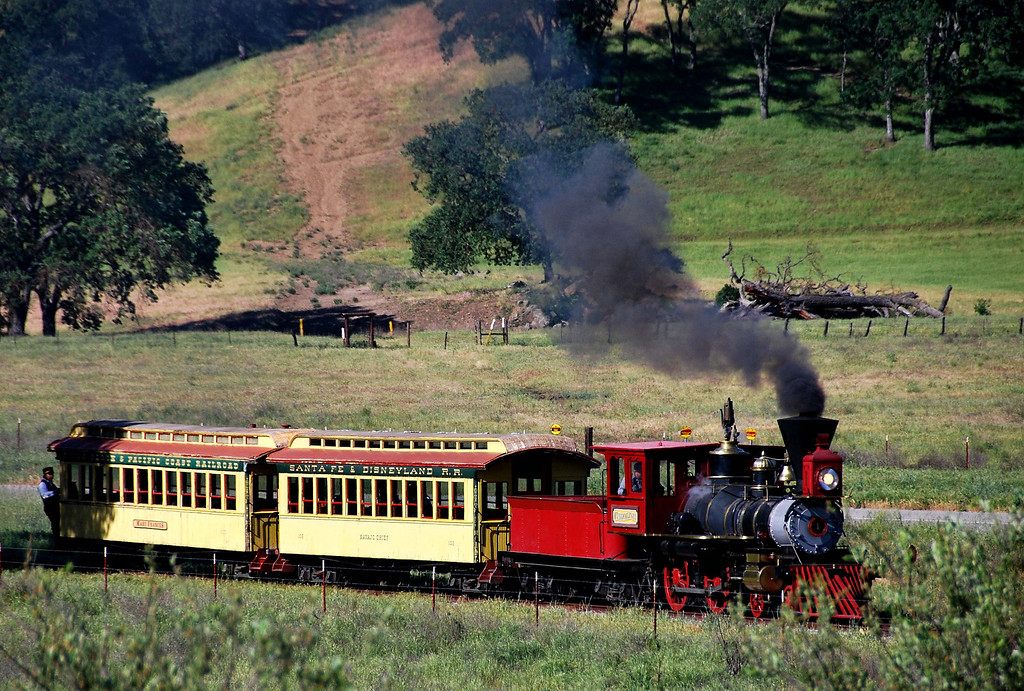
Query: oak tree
<point x="681" y="32"/>
<point x="756" y="20"/>
<point x="97" y="204"/>
<point x="480" y="171"/>
<point x="559" y="39"/>
<point x="881" y="31"/>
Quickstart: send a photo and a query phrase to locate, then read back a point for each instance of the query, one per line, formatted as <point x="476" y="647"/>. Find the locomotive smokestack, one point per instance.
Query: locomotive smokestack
<point x="802" y="433"/>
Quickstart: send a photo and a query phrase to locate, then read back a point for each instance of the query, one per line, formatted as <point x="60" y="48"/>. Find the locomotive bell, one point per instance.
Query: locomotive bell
<point x="729" y="463"/>
<point x="787" y="476"/>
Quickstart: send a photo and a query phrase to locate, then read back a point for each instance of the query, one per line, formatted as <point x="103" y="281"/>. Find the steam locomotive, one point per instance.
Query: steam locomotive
<point x="713" y="522"/>
<point x="690" y="524"/>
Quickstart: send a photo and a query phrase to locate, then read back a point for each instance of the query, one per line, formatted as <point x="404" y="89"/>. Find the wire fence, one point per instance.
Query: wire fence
<point x="367" y="330"/>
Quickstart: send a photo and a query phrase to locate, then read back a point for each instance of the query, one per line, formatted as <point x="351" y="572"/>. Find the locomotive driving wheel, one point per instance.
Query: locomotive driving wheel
<point x="676" y="578"/>
<point x="758" y="605"/>
<point x="719" y="600"/>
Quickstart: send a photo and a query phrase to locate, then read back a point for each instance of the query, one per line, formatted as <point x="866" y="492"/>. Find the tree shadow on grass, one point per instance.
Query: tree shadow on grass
<point x="324" y="321"/>
<point x="663" y="99"/>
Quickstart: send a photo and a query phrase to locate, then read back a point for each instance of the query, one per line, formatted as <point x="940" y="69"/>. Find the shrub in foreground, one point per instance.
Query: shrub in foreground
<point x="58" y="639"/>
<point x="956" y="619"/>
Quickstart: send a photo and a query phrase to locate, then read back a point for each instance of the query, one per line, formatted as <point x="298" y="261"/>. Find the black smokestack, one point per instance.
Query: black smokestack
<point x="608" y="229"/>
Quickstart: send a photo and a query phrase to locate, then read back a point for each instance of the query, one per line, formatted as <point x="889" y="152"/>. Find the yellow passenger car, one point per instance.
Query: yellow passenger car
<point x="287" y="496"/>
<point x="158" y="484"/>
<point x="413" y="496"/>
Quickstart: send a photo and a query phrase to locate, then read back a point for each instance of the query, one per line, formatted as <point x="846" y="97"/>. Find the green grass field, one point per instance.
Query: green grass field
<point x="131" y="630"/>
<point x="375" y="642"/>
<point x="815" y="174"/>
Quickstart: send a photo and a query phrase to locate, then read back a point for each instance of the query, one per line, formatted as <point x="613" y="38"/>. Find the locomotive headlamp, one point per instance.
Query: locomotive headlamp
<point x="828" y="479"/>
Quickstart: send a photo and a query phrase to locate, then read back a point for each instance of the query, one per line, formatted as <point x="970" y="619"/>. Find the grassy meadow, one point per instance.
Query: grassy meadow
<point x="131" y="631"/>
<point x="929" y="394"/>
<point x="816" y="174"/>
<point x="372" y="642"/>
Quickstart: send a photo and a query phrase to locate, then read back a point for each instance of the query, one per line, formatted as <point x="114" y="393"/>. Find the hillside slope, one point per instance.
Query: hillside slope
<point x="334" y="112"/>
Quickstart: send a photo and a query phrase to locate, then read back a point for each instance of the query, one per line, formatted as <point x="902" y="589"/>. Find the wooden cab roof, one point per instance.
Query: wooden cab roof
<point x="658" y="449"/>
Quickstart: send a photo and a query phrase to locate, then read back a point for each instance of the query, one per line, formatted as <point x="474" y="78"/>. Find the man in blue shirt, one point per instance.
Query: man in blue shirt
<point x="49" y="492"/>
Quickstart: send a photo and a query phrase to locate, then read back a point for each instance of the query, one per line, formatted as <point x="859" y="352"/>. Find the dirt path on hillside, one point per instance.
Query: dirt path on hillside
<point x="337" y="114"/>
<point x="341" y="115"/>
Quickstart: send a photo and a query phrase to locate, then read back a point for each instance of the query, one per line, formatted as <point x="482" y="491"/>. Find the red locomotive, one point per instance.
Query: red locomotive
<point x="707" y="523"/>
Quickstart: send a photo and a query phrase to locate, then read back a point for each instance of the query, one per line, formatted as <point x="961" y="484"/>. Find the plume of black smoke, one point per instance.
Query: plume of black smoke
<point x="608" y="229"/>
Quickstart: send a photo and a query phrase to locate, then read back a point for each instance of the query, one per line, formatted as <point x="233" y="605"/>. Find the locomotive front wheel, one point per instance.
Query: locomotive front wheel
<point x="679" y="578"/>
<point x="799" y="602"/>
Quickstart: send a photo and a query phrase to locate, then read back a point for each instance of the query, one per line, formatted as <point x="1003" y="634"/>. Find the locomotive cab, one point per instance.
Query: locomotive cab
<point x="648" y="481"/>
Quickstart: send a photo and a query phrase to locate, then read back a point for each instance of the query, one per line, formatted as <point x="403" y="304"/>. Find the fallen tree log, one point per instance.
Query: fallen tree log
<point x="833" y="305"/>
<point x="783" y="294"/>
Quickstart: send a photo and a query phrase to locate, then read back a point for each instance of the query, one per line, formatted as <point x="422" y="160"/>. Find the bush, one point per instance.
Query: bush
<point x="728" y="293"/>
<point x="956" y="613"/>
<point x="63" y="640"/>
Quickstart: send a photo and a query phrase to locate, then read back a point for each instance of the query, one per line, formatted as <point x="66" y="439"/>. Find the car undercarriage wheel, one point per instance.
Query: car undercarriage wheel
<point x="758" y="604"/>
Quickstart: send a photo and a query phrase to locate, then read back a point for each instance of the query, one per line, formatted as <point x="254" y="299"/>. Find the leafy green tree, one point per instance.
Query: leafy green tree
<point x="681" y="33"/>
<point x="558" y="38"/>
<point x="98" y="35"/>
<point x="628" y="15"/>
<point x="882" y="31"/>
<point x="189" y="35"/>
<point x="939" y="34"/>
<point x="97" y="204"/>
<point x="480" y="171"/>
<point x="931" y="50"/>
<point x="756" y="20"/>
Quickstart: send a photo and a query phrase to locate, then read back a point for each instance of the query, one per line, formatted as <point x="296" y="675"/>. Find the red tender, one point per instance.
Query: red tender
<point x="564" y="526"/>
